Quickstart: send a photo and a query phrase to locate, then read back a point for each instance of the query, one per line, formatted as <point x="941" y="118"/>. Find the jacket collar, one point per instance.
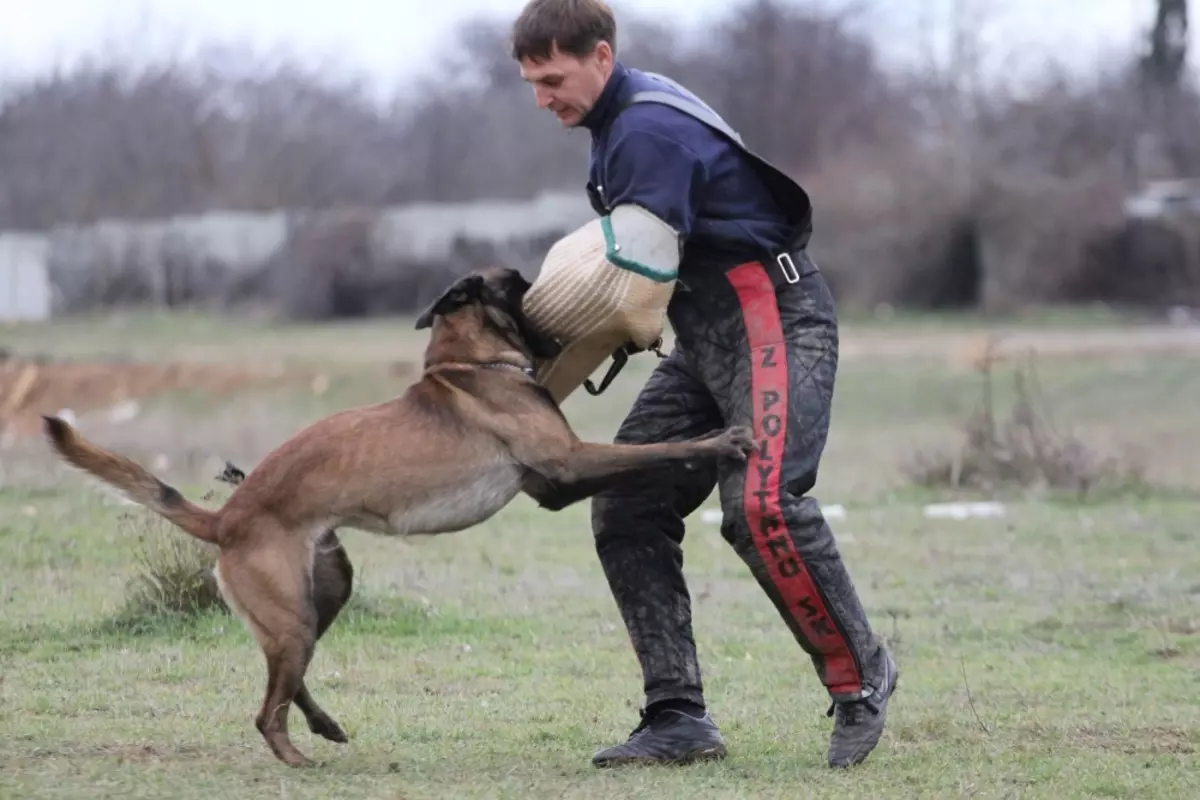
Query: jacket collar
<point x="608" y="105"/>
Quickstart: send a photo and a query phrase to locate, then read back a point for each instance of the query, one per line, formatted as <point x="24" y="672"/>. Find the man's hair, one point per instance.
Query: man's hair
<point x="575" y="26"/>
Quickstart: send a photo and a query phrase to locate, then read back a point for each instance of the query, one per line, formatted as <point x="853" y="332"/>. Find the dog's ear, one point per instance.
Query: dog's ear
<point x="518" y="283"/>
<point x="462" y="292"/>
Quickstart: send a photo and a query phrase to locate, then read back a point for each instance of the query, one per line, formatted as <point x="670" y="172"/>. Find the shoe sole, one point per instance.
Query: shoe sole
<point x="704" y="754"/>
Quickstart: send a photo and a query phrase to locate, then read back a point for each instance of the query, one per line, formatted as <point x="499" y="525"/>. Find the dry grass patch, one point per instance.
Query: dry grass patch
<point x="1023" y="449"/>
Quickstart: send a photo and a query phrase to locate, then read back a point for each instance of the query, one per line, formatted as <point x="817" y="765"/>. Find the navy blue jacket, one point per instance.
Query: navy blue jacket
<point x="685" y="173"/>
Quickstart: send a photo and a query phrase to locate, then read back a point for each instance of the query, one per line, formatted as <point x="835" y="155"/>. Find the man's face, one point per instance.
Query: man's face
<point x="567" y="85"/>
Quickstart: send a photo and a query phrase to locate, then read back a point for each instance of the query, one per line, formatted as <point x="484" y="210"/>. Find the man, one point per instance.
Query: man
<point x="756" y="343"/>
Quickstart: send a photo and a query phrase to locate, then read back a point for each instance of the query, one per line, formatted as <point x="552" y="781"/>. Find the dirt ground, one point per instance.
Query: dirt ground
<point x="30" y="388"/>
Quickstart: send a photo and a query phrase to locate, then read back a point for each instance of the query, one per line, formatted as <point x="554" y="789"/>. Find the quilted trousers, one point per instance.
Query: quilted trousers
<point x="747" y="352"/>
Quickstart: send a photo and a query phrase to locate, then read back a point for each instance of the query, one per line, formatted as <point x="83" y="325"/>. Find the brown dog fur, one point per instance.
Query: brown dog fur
<point x="452" y="450"/>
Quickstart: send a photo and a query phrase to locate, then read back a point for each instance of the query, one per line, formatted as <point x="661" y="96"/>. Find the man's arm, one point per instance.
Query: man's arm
<point x="606" y="286"/>
<point x="653" y="186"/>
<point x="663" y="176"/>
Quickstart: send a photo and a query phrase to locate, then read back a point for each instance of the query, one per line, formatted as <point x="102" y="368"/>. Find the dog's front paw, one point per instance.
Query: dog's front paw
<point x="736" y="442"/>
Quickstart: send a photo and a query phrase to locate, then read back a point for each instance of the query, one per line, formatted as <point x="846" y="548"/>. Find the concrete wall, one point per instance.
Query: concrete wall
<point x="25" y="292"/>
<point x="42" y="273"/>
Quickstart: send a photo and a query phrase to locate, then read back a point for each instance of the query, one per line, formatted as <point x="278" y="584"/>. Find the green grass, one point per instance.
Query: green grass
<point x="1052" y="653"/>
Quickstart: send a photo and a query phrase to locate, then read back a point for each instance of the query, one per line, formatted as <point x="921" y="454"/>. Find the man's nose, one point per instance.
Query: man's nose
<point x="543" y="96"/>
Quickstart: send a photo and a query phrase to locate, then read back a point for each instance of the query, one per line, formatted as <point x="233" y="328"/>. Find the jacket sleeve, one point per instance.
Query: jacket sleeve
<point x="661" y="175"/>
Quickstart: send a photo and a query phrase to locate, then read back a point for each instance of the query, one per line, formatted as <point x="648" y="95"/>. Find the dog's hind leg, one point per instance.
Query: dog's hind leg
<point x="269" y="585"/>
<point x="332" y="582"/>
<point x="333" y="577"/>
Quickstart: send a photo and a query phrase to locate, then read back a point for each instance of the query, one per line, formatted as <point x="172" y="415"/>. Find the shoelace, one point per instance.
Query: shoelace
<point x="643" y="724"/>
<point x="645" y="721"/>
<point x="854" y="709"/>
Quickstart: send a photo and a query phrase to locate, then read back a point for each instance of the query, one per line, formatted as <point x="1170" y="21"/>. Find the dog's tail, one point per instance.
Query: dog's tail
<point x="131" y="479"/>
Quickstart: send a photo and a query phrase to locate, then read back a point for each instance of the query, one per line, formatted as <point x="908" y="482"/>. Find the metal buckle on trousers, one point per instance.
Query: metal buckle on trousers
<point x="788" y="267"/>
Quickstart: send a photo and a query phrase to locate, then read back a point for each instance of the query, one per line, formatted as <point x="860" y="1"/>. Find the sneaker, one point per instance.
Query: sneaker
<point x="858" y="724"/>
<point x="669" y="737"/>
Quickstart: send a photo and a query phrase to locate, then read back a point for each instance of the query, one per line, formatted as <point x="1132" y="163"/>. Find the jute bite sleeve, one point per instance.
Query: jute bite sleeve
<point x="605" y="285"/>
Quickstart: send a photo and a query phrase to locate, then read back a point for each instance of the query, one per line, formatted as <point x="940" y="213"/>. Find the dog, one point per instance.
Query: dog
<point x="453" y="449"/>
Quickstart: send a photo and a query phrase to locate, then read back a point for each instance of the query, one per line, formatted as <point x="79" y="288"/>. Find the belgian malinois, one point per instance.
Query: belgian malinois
<point x="448" y="453"/>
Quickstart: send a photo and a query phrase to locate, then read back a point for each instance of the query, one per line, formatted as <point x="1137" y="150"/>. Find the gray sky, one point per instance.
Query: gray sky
<point x="382" y="39"/>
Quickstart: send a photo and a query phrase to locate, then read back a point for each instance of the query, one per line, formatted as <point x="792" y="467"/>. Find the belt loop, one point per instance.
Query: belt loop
<point x="788" y="267"/>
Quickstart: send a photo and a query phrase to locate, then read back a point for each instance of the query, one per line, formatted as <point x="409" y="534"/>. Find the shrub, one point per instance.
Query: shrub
<point x="1024" y="451"/>
<point x="173" y="571"/>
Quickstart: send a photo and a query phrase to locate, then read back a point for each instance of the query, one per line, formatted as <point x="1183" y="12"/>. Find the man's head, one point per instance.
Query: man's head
<point x="566" y="49"/>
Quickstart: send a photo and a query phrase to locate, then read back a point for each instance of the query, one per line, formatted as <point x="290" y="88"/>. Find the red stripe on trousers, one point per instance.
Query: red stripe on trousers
<point x="764" y="516"/>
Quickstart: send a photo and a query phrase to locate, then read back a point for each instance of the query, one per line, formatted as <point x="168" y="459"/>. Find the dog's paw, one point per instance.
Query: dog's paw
<point x="325" y="727"/>
<point x="736" y="442"/>
<point x="231" y="475"/>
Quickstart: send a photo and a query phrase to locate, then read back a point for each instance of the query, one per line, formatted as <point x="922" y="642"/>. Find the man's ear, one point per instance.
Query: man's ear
<point x="462" y="292"/>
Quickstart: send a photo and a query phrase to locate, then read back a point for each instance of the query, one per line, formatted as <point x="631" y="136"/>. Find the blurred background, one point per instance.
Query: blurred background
<point x="217" y="218"/>
<point x="321" y="160"/>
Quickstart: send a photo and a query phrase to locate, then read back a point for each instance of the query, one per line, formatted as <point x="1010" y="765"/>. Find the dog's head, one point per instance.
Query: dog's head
<point x="498" y="294"/>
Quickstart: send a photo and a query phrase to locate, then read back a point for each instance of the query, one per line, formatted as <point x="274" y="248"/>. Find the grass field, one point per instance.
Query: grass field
<point x="1050" y="653"/>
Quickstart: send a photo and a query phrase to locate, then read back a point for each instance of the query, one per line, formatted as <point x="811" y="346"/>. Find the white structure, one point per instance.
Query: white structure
<point x="24" y="278"/>
<point x="242" y="242"/>
<point x="1165" y="198"/>
<point x="428" y="230"/>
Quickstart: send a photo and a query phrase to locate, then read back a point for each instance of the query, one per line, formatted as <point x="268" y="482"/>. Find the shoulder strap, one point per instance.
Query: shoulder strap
<point x="705" y="115"/>
<point x="791" y="195"/>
